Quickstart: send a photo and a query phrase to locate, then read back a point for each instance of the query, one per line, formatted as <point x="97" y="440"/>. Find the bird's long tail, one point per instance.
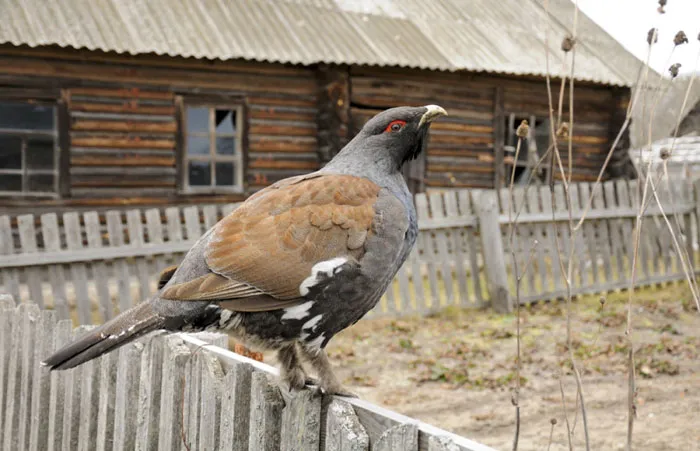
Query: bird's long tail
<point x="129" y="325"/>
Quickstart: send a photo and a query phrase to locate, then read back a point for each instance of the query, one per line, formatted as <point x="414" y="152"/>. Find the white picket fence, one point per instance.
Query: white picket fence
<point x="97" y="265"/>
<point x="177" y="392"/>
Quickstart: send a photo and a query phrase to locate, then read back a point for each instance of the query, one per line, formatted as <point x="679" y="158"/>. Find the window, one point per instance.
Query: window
<point x="213" y="153"/>
<point x="28" y="149"/>
<point x="531" y="149"/>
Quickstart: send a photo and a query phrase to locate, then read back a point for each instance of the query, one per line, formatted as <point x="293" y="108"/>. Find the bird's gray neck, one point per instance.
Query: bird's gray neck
<point x="379" y="171"/>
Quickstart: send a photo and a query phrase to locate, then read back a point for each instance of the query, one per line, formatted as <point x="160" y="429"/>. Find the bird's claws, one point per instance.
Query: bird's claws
<point x="318" y="390"/>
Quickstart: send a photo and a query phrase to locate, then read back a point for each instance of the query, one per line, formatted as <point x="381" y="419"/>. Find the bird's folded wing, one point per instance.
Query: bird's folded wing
<point x="269" y="245"/>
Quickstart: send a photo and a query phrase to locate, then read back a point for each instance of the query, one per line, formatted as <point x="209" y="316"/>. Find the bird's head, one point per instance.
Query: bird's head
<point x="401" y="131"/>
<point x="392" y="137"/>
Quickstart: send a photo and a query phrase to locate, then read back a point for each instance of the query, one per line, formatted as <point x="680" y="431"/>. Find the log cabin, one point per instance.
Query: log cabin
<point x="108" y="104"/>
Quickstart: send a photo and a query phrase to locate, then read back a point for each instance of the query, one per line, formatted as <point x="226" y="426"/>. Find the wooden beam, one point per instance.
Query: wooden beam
<point x="333" y="116"/>
<point x="498" y="132"/>
<point x="64" y="144"/>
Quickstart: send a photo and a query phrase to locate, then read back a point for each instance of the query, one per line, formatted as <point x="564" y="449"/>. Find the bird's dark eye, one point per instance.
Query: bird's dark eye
<point x="394" y="126"/>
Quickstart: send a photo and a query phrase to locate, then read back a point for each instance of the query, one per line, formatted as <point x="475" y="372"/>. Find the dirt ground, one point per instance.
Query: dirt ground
<point x="456" y="370"/>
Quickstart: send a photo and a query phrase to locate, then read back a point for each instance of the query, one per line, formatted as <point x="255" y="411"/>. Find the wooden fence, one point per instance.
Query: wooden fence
<point x="93" y="267"/>
<point x="168" y="392"/>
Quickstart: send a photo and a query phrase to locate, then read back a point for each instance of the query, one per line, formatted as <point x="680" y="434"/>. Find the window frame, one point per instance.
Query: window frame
<point x="510" y="150"/>
<point x="56" y="134"/>
<point x="238" y="158"/>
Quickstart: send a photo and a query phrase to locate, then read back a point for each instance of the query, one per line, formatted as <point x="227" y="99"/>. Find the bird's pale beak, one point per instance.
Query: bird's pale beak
<point x="434" y="111"/>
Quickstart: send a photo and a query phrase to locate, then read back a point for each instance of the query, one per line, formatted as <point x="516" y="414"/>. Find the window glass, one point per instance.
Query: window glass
<point x="26" y="116"/>
<point x="40" y="183"/>
<point x="40" y="154"/>
<point x="224" y="174"/>
<point x="198" y="119"/>
<point x="198" y="145"/>
<point x="225" y="146"/>
<point x="199" y="173"/>
<point x="10" y="182"/>
<point x="10" y="152"/>
<point x="225" y="122"/>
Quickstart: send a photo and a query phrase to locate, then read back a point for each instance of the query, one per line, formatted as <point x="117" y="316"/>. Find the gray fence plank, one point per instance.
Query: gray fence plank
<point x="465" y="205"/>
<point x="402" y="437"/>
<point x="155" y="236"/>
<point x="30" y="316"/>
<point x="35" y="276"/>
<point x="41" y="382"/>
<point x="99" y="268"/>
<point x="211" y="388"/>
<point x="10" y="276"/>
<point x="71" y="401"/>
<point x="539" y="265"/>
<point x="19" y="387"/>
<point x="192" y="225"/>
<point x="265" y="414"/>
<point x="191" y="404"/>
<point x="617" y="237"/>
<point x="343" y="429"/>
<point x="441" y="240"/>
<point x="126" y="395"/>
<point x="441" y="444"/>
<point x="105" y="411"/>
<point x="552" y="242"/>
<point x="52" y="242"/>
<point x="89" y="398"/>
<point x="235" y="407"/>
<point x="425" y="244"/>
<point x="579" y="242"/>
<point x="492" y="245"/>
<point x="175" y="356"/>
<point x="62" y="334"/>
<point x="174" y="227"/>
<point x="7" y="325"/>
<point x="78" y="271"/>
<point x="301" y="422"/>
<point x="603" y="236"/>
<point x="148" y="406"/>
<point x="115" y="232"/>
<point x="135" y="224"/>
<point x="210" y="216"/>
<point x="460" y="272"/>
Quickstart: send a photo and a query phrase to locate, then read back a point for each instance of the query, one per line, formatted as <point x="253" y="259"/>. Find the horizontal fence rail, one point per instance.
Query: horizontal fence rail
<point x="90" y="266"/>
<point x="167" y="392"/>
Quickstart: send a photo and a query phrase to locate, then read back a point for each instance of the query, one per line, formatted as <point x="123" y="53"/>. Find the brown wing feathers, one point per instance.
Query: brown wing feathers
<point x="269" y="244"/>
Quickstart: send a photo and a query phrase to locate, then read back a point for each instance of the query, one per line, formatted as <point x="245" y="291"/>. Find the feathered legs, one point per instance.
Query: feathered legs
<point x="327" y="379"/>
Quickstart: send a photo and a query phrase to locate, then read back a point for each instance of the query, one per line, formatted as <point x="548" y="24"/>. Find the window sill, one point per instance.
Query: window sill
<point x="204" y="190"/>
<point x="24" y="196"/>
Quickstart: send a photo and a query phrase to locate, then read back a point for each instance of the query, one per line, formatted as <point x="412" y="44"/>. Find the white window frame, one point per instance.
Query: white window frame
<point x="213" y="157"/>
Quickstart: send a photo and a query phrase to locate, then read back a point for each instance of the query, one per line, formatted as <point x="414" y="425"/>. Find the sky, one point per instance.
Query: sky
<point x="628" y="21"/>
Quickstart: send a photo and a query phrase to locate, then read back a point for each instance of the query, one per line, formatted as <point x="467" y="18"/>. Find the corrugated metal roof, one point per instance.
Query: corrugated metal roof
<point x="502" y="36"/>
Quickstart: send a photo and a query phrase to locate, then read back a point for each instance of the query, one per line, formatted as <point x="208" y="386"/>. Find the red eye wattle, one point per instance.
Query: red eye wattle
<point x="394" y="126"/>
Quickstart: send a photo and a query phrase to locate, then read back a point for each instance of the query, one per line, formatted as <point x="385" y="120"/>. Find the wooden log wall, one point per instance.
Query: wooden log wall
<point x="122" y="142"/>
<point x="124" y="121"/>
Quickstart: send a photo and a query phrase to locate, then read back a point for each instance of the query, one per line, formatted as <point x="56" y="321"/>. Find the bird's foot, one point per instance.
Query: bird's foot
<point x="331" y="389"/>
<point x="339" y="390"/>
<point x="295" y="379"/>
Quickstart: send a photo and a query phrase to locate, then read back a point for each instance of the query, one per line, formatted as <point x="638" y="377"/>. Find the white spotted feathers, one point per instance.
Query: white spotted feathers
<point x="320" y="271"/>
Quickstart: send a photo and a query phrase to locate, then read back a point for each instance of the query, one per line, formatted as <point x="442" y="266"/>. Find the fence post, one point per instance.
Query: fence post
<point x="492" y="250"/>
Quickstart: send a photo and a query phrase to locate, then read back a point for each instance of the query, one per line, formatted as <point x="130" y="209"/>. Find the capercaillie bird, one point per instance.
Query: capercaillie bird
<point x="296" y="263"/>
